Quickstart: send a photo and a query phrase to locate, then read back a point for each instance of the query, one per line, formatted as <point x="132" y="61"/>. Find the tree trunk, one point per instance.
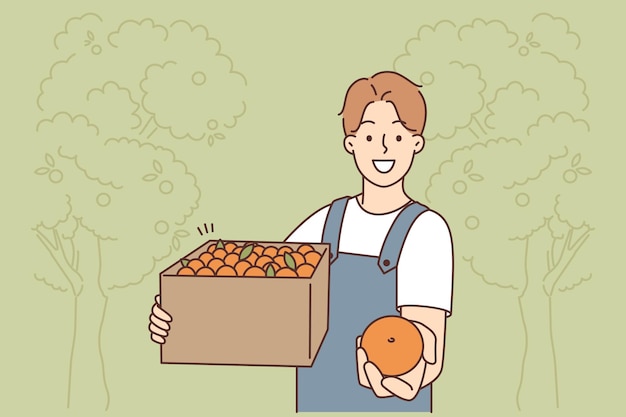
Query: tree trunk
<point x="538" y="386"/>
<point x="87" y="387"/>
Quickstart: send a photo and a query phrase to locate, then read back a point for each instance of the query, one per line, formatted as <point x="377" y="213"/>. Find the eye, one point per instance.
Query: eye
<point x="398" y="138"/>
<point x="369" y="138"/>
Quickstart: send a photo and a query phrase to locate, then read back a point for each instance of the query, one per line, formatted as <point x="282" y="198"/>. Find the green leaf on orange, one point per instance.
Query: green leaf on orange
<point x="184" y="261"/>
<point x="270" y="271"/>
<point x="246" y="251"/>
<point x="289" y="261"/>
<point x="220" y="244"/>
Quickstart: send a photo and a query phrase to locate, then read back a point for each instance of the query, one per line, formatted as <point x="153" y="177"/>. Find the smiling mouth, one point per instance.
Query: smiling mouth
<point x="383" y="165"/>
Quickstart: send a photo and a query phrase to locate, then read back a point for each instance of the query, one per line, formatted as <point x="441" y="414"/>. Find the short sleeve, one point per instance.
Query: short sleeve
<point x="425" y="267"/>
<point x="311" y="229"/>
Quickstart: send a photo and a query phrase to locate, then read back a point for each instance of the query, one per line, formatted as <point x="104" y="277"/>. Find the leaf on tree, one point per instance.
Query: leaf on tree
<point x="181" y="233"/>
<point x="210" y="140"/>
<point x="42" y="171"/>
<point x="529" y="37"/>
<point x="576" y="160"/>
<point x="219" y="136"/>
<point x="476" y="177"/>
<point x="468" y="166"/>
<point x="535" y="44"/>
<point x="583" y="171"/>
<point x="246" y="251"/>
<point x="176" y="242"/>
<point x="150" y="177"/>
<point x="49" y="160"/>
<point x="289" y="261"/>
<point x="157" y="166"/>
<point x="90" y="35"/>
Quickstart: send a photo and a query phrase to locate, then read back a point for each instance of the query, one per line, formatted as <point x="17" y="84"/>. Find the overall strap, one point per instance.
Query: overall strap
<point x="394" y="241"/>
<point x="332" y="226"/>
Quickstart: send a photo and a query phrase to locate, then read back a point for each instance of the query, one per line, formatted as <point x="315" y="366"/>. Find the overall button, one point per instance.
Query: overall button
<point x="386" y="262"/>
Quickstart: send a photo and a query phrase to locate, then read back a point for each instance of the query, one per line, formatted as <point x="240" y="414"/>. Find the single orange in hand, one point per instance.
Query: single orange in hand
<point x="185" y="270"/>
<point x="393" y="344"/>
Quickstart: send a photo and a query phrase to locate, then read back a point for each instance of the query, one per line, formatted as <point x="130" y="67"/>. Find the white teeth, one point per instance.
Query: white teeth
<point x="384" y="165"/>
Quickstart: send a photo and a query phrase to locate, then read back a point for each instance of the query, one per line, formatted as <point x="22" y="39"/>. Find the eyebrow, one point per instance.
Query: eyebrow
<point x="398" y="121"/>
<point x="368" y="121"/>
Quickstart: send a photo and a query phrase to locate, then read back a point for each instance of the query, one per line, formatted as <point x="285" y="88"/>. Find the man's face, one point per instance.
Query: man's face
<point x="382" y="147"/>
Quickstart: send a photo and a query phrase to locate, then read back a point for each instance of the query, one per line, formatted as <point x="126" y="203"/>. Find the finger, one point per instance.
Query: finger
<point x="157" y="338"/>
<point x="160" y="313"/>
<point x="430" y="343"/>
<point x="408" y="385"/>
<point x="374" y="377"/>
<point x="358" y="341"/>
<point x="399" y="388"/>
<point x="157" y="299"/>
<point x="159" y="323"/>
<point x="361" y="359"/>
<point x="157" y="330"/>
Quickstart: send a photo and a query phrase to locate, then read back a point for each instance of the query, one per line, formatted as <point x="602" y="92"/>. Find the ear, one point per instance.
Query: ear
<point x="348" y="143"/>
<point x="419" y="143"/>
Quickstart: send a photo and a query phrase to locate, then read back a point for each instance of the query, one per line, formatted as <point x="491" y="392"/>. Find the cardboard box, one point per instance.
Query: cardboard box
<point x="245" y="320"/>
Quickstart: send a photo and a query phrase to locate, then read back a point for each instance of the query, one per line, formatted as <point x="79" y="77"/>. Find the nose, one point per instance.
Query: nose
<point x="385" y="151"/>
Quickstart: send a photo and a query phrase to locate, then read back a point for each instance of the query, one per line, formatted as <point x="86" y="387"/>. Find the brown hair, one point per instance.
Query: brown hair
<point x="388" y="86"/>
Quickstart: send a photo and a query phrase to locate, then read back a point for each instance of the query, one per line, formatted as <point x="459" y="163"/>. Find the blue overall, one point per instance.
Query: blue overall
<point x="362" y="289"/>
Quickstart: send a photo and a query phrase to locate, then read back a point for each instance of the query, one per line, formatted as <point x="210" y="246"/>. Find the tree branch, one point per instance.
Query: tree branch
<point x="568" y="253"/>
<point x="59" y="257"/>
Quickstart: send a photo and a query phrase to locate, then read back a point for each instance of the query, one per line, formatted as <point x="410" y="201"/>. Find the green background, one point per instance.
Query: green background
<point x="282" y="161"/>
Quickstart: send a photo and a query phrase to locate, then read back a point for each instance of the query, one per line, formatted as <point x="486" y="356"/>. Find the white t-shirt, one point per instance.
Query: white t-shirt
<point x="424" y="271"/>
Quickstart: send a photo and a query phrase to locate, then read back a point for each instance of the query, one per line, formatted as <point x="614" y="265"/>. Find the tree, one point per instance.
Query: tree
<point x="113" y="203"/>
<point x="510" y="109"/>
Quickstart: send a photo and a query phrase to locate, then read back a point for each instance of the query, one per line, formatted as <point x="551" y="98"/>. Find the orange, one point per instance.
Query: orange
<point x="273" y="265"/>
<point x="270" y="251"/>
<point x="215" y="264"/>
<point x="185" y="270"/>
<point x="211" y="248"/>
<point x="262" y="261"/>
<point x="305" y="270"/>
<point x="312" y="258"/>
<point x="393" y="344"/>
<point x="254" y="271"/>
<point x="286" y="272"/>
<point x="195" y="264"/>
<point x="206" y="257"/>
<point x="241" y="267"/>
<point x="284" y="249"/>
<point x="258" y="249"/>
<point x="205" y="272"/>
<point x="304" y="248"/>
<point x="226" y="271"/>
<point x="252" y="258"/>
<point x="237" y="250"/>
<point x="298" y="257"/>
<point x="231" y="259"/>
<point x="229" y="247"/>
<point x="219" y="253"/>
<point x="280" y="260"/>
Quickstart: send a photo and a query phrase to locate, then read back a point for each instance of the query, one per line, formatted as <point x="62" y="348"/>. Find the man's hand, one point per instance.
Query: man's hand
<point x="404" y="386"/>
<point x="159" y="322"/>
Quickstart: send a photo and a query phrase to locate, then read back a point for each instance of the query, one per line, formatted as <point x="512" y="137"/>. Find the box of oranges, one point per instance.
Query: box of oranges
<point x="247" y="303"/>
